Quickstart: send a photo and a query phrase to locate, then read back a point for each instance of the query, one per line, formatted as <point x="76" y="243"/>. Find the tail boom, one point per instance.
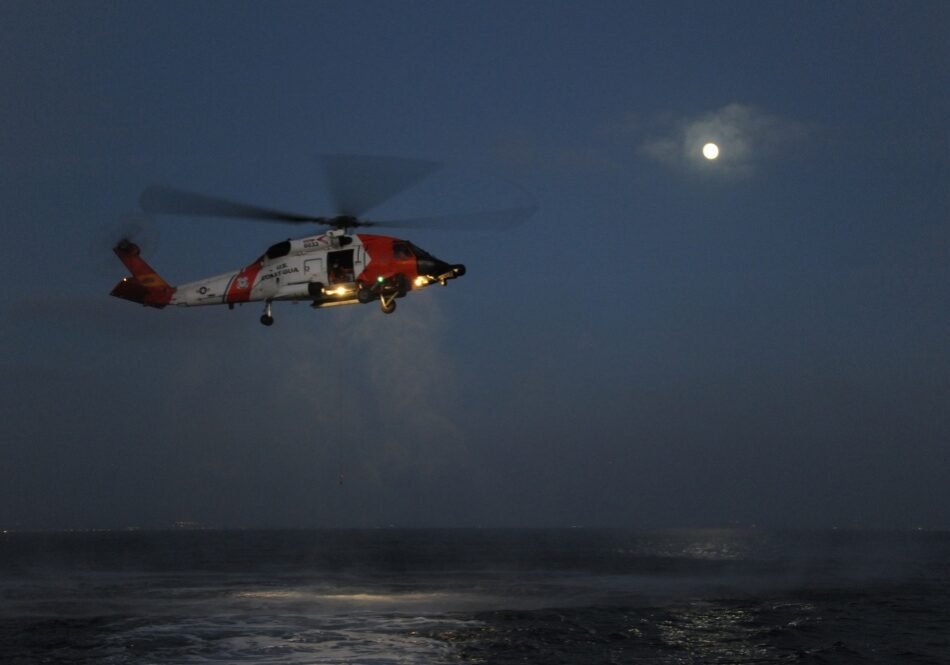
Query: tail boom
<point x="145" y="286"/>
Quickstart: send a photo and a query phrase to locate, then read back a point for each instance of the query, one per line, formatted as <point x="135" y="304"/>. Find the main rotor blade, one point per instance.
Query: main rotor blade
<point x="491" y="219"/>
<point x="358" y="183"/>
<point x="170" y="201"/>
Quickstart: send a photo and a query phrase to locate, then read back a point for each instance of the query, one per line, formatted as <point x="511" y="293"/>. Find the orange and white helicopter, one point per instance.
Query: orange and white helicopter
<point x="332" y="268"/>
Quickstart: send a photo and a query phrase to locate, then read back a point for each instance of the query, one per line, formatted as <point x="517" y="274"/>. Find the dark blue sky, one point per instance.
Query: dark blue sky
<point x="668" y="341"/>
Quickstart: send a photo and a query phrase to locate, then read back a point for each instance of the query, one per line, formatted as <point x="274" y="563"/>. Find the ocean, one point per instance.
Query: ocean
<point x="475" y="596"/>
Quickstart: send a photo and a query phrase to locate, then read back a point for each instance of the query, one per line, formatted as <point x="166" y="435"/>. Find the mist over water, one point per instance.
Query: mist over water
<point x="486" y="596"/>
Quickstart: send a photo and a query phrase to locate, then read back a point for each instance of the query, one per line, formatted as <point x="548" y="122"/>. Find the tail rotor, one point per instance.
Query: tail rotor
<point x="135" y="228"/>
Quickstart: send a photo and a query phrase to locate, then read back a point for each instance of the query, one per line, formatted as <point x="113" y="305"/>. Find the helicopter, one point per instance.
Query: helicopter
<point x="334" y="267"/>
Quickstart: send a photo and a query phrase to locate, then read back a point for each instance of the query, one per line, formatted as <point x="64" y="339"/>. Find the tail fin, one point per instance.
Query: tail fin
<point x="145" y="286"/>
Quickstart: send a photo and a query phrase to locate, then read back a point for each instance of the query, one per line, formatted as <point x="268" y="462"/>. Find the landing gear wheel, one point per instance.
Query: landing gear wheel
<point x="387" y="305"/>
<point x="364" y="295"/>
<point x="267" y="318"/>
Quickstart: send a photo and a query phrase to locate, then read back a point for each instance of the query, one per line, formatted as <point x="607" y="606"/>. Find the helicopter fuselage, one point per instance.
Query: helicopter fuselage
<point x="329" y="269"/>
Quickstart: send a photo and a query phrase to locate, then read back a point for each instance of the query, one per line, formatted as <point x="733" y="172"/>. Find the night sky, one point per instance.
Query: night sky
<point x="669" y="341"/>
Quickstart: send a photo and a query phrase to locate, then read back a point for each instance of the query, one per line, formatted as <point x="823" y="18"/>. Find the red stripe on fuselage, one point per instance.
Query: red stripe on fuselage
<point x="382" y="262"/>
<point x="240" y="288"/>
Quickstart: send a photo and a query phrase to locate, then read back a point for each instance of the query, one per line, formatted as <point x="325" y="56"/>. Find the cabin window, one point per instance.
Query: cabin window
<point x="279" y="250"/>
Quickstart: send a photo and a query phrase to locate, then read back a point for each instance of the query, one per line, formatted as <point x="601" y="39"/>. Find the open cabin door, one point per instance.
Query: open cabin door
<point x="340" y="267"/>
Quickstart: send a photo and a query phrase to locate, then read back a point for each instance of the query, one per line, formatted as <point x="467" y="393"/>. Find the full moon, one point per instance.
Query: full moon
<point x="710" y="151"/>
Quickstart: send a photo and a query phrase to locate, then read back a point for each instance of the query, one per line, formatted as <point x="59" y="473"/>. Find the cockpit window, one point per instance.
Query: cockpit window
<point x="279" y="250"/>
<point x="402" y="251"/>
<point x="420" y="253"/>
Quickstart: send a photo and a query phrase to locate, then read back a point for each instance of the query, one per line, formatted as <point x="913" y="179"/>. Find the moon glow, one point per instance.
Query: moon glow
<point x="710" y="151"/>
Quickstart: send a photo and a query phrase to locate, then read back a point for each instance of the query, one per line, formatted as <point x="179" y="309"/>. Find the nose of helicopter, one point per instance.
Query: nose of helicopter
<point x="431" y="267"/>
<point x="438" y="270"/>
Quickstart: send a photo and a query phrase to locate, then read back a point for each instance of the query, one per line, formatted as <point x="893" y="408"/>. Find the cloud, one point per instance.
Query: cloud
<point x="747" y="137"/>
